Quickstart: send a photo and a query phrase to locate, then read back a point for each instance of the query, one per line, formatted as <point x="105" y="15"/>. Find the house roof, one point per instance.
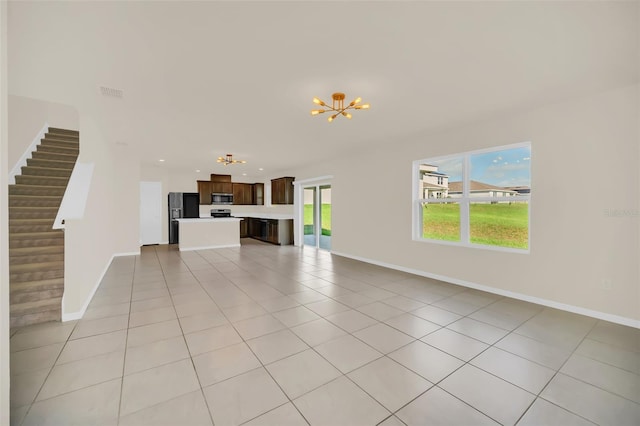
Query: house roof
<point x="430" y="185"/>
<point x="476" y="187"/>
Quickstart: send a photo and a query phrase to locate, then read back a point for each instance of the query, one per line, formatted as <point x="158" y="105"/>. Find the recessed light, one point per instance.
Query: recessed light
<point x="244" y="174"/>
<point x="261" y="169"/>
<point x="161" y="160"/>
<point x="198" y="171"/>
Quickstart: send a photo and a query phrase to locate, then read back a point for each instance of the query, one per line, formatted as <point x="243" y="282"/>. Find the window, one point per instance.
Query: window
<point x="475" y="199"/>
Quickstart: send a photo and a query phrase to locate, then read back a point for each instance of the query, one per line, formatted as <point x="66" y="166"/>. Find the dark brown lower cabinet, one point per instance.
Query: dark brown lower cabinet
<point x="244" y="228"/>
<point x="274" y="231"/>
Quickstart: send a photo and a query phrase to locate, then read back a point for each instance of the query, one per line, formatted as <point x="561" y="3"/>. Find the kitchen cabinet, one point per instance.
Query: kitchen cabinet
<point x="221" y="184"/>
<point x="258" y="194"/>
<point x="220" y="178"/>
<point x="222" y="187"/>
<point x="282" y="190"/>
<point x="204" y="190"/>
<point x="244" y="228"/>
<point x="274" y="231"/>
<point x="242" y="193"/>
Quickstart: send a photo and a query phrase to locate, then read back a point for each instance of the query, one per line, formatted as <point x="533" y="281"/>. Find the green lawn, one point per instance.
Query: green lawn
<point x="325" y="214"/>
<point x="505" y="225"/>
<point x="441" y="222"/>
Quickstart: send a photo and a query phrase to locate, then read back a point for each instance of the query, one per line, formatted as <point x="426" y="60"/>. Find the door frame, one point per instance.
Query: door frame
<point x="298" y="205"/>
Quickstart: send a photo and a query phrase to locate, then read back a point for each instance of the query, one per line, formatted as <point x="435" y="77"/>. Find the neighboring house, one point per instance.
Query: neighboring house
<point x="479" y="189"/>
<point x="433" y="183"/>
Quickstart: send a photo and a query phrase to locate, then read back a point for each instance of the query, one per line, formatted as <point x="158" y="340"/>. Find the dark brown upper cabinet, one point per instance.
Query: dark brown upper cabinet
<point x="242" y="193"/>
<point x="282" y="190"/>
<point x="204" y="189"/>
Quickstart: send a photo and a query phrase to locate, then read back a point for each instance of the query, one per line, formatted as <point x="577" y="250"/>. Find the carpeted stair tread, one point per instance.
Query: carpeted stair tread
<point x="36" y="295"/>
<point x="64" y="131"/>
<point x="32" y="251"/>
<point x="54" y="233"/>
<point x="36" y="258"/>
<point x="34" y="200"/>
<point x="39" y="190"/>
<point x="35" y="306"/>
<point x="46" y="170"/>
<point x="59" y="143"/>
<point x="35" y="275"/>
<point x="32" y="212"/>
<point x="58" y="181"/>
<point x="13" y="229"/>
<point x="36" y="242"/>
<point x="36" y="267"/>
<point x="36" y="318"/>
<point x="55" y="149"/>
<point x="39" y="285"/>
<point x="52" y="164"/>
<point x="56" y="156"/>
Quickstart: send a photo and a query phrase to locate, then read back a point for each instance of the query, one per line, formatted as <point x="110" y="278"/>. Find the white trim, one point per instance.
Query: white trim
<point x="298" y="207"/>
<point x="130" y="253"/>
<point x="210" y="247"/>
<point x="314" y="181"/>
<point x="79" y="314"/>
<point x="22" y="161"/>
<point x="630" y="322"/>
<point x="473" y="246"/>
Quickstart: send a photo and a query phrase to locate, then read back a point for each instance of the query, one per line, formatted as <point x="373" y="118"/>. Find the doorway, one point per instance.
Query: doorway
<point x="150" y="213"/>
<point x="317" y="216"/>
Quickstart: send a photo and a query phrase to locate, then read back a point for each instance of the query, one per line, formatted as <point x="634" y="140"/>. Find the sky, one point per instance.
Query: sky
<point x="509" y="167"/>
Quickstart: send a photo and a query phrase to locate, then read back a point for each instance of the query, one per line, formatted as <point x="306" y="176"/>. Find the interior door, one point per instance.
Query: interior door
<point x="150" y="213"/>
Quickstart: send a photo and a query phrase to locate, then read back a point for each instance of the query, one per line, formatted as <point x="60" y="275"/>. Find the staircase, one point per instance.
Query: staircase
<point x="36" y="252"/>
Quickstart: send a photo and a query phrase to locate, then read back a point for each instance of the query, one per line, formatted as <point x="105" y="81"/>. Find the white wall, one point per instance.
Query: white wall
<point x="27" y="116"/>
<point x="577" y="240"/>
<point x="4" y="221"/>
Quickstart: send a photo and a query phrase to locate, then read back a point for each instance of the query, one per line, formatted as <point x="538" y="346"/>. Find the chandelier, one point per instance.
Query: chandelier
<point x="337" y="106"/>
<point x="229" y="160"/>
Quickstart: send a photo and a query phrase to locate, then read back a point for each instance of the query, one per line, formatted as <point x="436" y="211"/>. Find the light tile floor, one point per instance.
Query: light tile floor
<point x="266" y="335"/>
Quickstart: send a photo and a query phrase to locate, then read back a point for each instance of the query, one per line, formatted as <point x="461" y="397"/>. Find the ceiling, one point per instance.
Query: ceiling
<point x="203" y="79"/>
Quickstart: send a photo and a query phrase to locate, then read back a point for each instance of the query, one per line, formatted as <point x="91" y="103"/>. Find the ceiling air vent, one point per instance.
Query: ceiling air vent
<point x="109" y="91"/>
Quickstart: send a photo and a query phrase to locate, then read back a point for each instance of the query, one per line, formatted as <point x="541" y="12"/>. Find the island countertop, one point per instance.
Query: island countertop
<point x="208" y="219"/>
<point x="279" y="216"/>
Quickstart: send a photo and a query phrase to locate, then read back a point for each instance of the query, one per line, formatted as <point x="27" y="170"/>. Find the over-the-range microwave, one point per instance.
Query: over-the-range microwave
<point x="220" y="198"/>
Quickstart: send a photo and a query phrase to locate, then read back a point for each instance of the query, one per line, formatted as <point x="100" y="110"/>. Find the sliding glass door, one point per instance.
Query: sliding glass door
<point x="317" y="216"/>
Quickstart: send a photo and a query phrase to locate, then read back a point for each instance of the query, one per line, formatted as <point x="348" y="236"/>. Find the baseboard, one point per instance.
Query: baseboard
<point x="131" y="253"/>
<point x="79" y="314"/>
<point x="210" y="247"/>
<point x="524" y="297"/>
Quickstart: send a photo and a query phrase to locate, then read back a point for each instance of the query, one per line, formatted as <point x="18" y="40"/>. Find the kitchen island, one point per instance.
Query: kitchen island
<point x="209" y="233"/>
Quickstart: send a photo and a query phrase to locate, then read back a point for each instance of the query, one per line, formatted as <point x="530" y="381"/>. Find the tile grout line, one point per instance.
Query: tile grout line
<point x="126" y="339"/>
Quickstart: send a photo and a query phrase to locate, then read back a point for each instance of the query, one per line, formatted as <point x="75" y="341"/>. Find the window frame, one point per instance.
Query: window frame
<point x="464" y="201"/>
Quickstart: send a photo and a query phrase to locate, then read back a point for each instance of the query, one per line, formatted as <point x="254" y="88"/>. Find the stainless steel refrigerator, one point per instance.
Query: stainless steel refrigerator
<point x="181" y="205"/>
